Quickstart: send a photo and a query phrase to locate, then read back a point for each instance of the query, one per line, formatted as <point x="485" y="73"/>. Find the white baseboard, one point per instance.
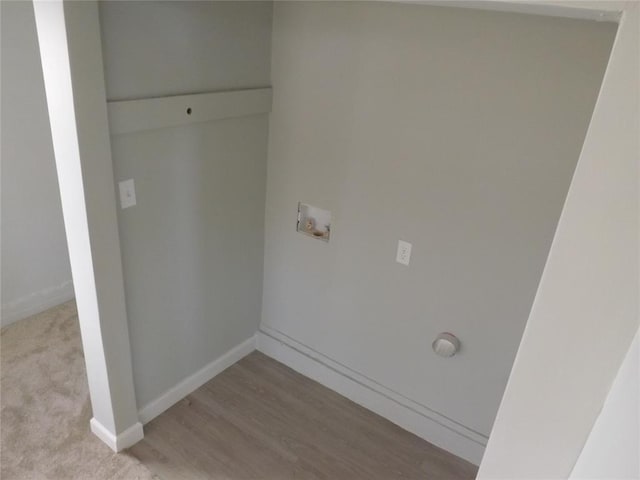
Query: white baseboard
<point x="416" y="418"/>
<point x="195" y="381"/>
<point x="126" y="439"/>
<point x="36" y="302"/>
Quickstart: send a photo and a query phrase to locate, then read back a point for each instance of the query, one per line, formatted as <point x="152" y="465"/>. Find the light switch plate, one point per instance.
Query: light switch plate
<point x="403" y="255"/>
<point x="127" y="193"/>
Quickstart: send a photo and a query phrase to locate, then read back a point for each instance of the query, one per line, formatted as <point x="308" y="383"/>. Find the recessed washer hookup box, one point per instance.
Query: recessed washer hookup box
<point x="314" y="222"/>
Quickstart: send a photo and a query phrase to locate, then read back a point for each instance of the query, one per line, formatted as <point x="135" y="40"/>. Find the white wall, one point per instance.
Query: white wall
<point x="612" y="450"/>
<point x="456" y="130"/>
<point x="162" y="48"/>
<point x="192" y="247"/>
<point x="35" y="263"/>
<point x="586" y="309"/>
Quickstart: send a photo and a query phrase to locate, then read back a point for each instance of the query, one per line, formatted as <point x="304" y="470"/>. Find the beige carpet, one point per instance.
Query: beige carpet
<point x="45" y="409"/>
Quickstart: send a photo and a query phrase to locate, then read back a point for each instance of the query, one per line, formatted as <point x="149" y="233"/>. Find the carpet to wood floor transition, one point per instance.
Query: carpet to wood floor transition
<point x="45" y="409"/>
<point x="256" y="420"/>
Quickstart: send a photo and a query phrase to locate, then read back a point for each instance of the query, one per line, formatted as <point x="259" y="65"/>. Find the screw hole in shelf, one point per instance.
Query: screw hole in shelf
<point x="189" y="111"/>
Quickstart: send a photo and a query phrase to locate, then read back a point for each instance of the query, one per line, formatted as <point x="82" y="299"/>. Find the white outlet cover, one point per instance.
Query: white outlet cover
<point x="403" y="255"/>
<point x="127" y="193"/>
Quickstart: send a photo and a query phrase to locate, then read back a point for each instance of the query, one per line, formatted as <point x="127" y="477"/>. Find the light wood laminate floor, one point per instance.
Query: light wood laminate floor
<point x="261" y="420"/>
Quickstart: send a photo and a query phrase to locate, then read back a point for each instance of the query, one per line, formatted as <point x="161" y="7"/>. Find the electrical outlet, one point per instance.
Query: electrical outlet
<point x="127" y="193"/>
<point x="404" y="252"/>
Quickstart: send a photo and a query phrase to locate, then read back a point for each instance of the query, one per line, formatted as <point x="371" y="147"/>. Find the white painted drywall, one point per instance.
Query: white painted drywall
<point x="70" y="52"/>
<point x="586" y="309"/>
<point x="35" y="263"/>
<point x="192" y="247"/>
<point x="453" y="129"/>
<point x="612" y="450"/>
<point x="162" y="48"/>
